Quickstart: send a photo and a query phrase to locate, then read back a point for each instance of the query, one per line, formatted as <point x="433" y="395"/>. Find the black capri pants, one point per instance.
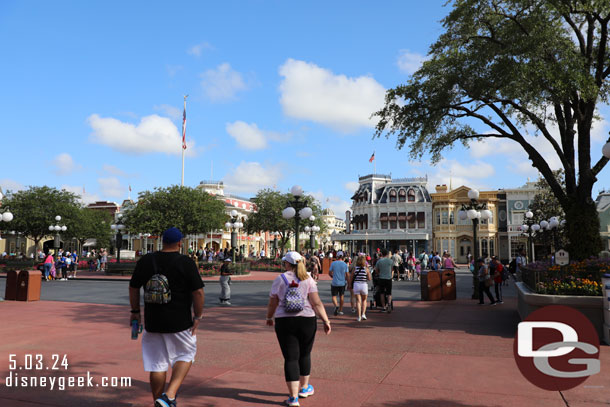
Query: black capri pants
<point x="296" y="336"/>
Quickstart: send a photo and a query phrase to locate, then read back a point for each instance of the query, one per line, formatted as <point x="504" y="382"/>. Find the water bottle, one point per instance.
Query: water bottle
<point x="136" y="328"/>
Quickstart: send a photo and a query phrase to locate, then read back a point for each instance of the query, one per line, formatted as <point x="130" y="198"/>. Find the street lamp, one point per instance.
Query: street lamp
<point x="145" y="245"/>
<point x="57" y="228"/>
<point x="118" y="227"/>
<point x="312" y="230"/>
<point x="6" y="216"/>
<point x="234" y="225"/>
<point x="298" y="210"/>
<point x="474" y="211"/>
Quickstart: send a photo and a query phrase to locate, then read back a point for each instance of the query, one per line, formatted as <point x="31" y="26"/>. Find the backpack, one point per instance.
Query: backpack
<point x="512" y="266"/>
<point x="293" y="300"/>
<point x="156" y="289"/>
<point x="503" y="271"/>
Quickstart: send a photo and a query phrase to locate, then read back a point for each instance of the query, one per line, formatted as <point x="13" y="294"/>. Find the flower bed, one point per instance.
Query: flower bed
<point x="577" y="278"/>
<point x="213" y="269"/>
<point x="266" y="265"/>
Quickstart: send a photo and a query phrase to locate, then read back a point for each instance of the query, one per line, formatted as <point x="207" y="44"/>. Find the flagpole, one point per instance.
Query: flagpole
<point x="183" y="138"/>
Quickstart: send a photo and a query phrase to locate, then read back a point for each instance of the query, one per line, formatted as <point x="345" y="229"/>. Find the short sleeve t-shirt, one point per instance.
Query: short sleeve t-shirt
<point x="339" y="269"/>
<point x="183" y="278"/>
<point x="279" y="287"/>
<point x="384" y="266"/>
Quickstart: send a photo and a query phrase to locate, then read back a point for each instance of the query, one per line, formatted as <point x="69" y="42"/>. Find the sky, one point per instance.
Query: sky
<point x="280" y="93"/>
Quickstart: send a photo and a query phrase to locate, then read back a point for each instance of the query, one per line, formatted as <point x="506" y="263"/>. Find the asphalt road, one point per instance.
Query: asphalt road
<point x="243" y="293"/>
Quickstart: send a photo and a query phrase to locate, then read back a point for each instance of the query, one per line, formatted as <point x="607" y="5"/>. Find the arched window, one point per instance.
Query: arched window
<point x="402" y="196"/>
<point x="392" y="196"/>
<point x="411" y="195"/>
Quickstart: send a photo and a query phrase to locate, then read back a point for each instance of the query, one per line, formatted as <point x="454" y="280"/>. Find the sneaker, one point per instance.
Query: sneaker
<point x="359" y="319"/>
<point x="353" y="310"/>
<point x="500" y="302"/>
<point x="341" y="313"/>
<point x="364" y="316"/>
<point x="164" y="401"/>
<point x="292" y="401"/>
<point x="306" y="391"/>
<point x="228" y="303"/>
<point x="494" y="303"/>
<point x="336" y="312"/>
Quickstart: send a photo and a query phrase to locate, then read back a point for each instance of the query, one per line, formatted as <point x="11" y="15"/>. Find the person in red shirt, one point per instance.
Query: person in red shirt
<point x="498" y="270"/>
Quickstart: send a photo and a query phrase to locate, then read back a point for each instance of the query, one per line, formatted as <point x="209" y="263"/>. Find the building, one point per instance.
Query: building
<point x="391" y="213"/>
<point x="513" y="205"/>
<point x="455" y="235"/>
<point x="111" y="207"/>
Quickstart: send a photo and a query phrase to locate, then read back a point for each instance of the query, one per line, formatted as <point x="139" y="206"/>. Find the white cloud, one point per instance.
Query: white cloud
<point x="599" y="130"/>
<point x="86" y="197"/>
<point x="196" y="50"/>
<point x="333" y="202"/>
<point x="154" y="134"/>
<point x="250" y="177"/>
<point x="170" y="111"/>
<point x="409" y="62"/>
<point x="64" y="164"/>
<point x="111" y="187"/>
<point x="111" y="169"/>
<point x="248" y="136"/>
<point x="312" y="93"/>
<point x="223" y="83"/>
<point x="453" y="173"/>
<point x="172" y="70"/>
<point x="352" y="186"/>
<point x="10" y="185"/>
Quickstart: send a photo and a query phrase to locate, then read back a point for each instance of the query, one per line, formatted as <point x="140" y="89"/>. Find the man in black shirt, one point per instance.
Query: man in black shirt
<point x="173" y="292"/>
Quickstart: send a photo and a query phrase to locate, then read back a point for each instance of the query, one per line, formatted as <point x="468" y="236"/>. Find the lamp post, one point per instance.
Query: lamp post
<point x="145" y="245"/>
<point x="233" y="226"/>
<point x="118" y="227"/>
<point x="298" y="209"/>
<point x="312" y="230"/>
<point x="474" y="211"/>
<point x="532" y="228"/>
<point x="57" y="228"/>
<point x="5" y="216"/>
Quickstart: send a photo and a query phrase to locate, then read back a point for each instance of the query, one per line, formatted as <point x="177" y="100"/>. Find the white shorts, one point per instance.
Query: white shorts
<point x="159" y="351"/>
<point x="360" y="287"/>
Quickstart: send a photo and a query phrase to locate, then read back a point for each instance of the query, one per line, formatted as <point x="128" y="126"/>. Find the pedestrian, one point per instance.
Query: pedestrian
<point x="338" y="271"/>
<point x="48" y="265"/>
<point x="68" y="261"/>
<point x="520" y="262"/>
<point x="396" y="262"/>
<point x="225" y="281"/>
<point x="383" y="268"/>
<point x="359" y="278"/>
<point x="497" y="276"/>
<point x="314" y="266"/>
<point x="448" y="263"/>
<point x="295" y="326"/>
<point x="103" y="260"/>
<point x="484" y="282"/>
<point x="423" y="259"/>
<point x="173" y="291"/>
<point x="411" y="266"/>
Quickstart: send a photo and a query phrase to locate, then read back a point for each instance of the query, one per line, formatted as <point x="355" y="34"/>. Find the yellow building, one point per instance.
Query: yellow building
<point x="452" y="234"/>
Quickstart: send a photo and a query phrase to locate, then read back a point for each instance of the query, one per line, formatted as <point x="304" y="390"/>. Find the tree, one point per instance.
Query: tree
<point x="35" y="209"/>
<point x="268" y="216"/>
<point x="91" y="224"/>
<point x="507" y="64"/>
<point x="544" y="206"/>
<point x="190" y="210"/>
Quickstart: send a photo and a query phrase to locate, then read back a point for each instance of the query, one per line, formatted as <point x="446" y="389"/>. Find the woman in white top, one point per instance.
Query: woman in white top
<point x="359" y="278"/>
<point x="295" y="323"/>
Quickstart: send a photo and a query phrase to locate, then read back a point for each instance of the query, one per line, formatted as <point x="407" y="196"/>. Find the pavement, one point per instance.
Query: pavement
<point x="448" y="353"/>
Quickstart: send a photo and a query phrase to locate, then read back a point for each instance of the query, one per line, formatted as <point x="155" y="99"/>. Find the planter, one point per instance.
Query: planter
<point x="591" y="307"/>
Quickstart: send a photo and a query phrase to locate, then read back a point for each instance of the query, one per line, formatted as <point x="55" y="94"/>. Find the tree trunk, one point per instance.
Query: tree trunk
<point x="583" y="229"/>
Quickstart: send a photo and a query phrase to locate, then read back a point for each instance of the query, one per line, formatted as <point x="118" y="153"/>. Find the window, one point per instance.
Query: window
<point x="517" y="219"/>
<point x="393" y="220"/>
<point x="492" y="250"/>
<point x="438" y="217"/>
<point x="411" y="195"/>
<point x="384" y="220"/>
<point x="402" y="220"/>
<point x="411" y="219"/>
<point x="421" y="220"/>
<point x="445" y="217"/>
<point x="451" y="219"/>
<point x="484" y="248"/>
<point x="392" y="196"/>
<point x="402" y="196"/>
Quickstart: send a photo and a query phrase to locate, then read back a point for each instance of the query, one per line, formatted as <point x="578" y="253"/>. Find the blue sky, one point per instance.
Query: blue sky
<point x="279" y="94"/>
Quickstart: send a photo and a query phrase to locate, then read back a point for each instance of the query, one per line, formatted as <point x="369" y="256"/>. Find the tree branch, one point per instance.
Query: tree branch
<point x="581" y="39"/>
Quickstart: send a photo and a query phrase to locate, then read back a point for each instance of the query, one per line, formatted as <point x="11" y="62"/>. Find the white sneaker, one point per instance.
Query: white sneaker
<point x="364" y="316"/>
<point x="359" y="319"/>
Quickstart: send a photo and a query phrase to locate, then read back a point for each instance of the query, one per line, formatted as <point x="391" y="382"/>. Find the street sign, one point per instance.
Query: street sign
<point x="562" y="257"/>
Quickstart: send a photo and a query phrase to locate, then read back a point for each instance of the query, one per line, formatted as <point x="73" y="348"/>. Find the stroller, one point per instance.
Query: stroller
<point x="376" y="297"/>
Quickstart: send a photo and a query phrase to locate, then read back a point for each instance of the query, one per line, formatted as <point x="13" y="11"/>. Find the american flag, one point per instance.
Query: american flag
<point x="184" y="127"/>
<point x="372" y="157"/>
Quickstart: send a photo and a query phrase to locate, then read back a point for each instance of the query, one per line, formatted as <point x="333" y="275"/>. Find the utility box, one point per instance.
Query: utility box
<point x="10" y="291"/>
<point x="28" y="285"/>
<point x="431" y="286"/>
<point x="448" y="288"/>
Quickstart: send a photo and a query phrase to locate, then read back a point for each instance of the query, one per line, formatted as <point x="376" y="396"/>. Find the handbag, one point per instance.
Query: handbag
<point x="488" y="281"/>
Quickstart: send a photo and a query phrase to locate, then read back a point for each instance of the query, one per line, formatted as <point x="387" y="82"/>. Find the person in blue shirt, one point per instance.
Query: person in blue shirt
<point x="338" y="271"/>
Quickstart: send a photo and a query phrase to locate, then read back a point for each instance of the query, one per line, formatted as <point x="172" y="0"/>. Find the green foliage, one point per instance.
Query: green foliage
<point x="35" y="208"/>
<point x="190" y="210"/>
<point x="510" y="66"/>
<point x="544" y="206"/>
<point x="91" y="224"/>
<point x="270" y="204"/>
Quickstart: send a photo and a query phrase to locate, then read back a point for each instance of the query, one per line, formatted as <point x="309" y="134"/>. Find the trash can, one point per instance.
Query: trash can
<point x="431" y="286"/>
<point x="28" y="285"/>
<point x="326" y="265"/>
<point x="10" y="291"/>
<point x="448" y="288"/>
